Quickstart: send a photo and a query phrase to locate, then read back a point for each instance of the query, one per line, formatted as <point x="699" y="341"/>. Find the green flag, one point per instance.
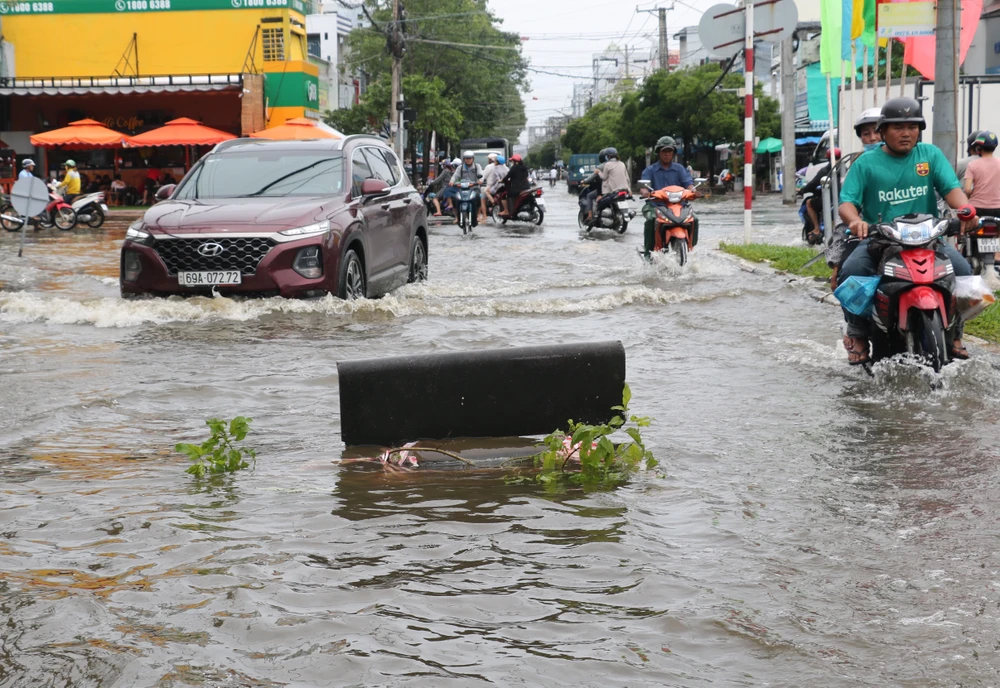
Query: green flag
<point x="831" y="18"/>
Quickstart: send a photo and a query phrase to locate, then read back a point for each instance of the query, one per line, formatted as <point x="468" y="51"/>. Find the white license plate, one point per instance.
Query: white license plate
<point x="104" y="207"/>
<point x="623" y="205"/>
<point x="989" y="245"/>
<point x="540" y="202"/>
<point x="209" y="278"/>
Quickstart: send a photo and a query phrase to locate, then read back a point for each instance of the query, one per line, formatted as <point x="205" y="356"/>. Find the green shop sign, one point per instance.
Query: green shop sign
<point x="291" y="89"/>
<point x="42" y="7"/>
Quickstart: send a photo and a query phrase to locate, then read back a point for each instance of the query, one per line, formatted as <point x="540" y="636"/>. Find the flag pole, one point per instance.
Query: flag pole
<point x="864" y="72"/>
<point x="854" y="88"/>
<point x="902" y="79"/>
<point x="875" y="77"/>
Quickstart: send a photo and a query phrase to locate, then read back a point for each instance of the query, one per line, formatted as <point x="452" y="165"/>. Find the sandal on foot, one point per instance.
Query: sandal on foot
<point x="857" y="350"/>
<point x="959" y="351"/>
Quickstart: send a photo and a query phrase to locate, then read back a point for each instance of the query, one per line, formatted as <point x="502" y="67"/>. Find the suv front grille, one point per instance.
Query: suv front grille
<point x="238" y="253"/>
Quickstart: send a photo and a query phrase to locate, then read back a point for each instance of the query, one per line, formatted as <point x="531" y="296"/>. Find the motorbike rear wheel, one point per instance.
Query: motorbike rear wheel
<point x="679" y="248"/>
<point x="96" y="218"/>
<point x="65" y="219"/>
<point x="621" y="230"/>
<point x="581" y="220"/>
<point x="929" y="341"/>
<point x="538" y="215"/>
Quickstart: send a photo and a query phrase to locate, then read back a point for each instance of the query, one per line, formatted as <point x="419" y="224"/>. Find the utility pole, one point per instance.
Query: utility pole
<point x="945" y="81"/>
<point x="748" y="123"/>
<point x="664" y="49"/>
<point x="787" y="122"/>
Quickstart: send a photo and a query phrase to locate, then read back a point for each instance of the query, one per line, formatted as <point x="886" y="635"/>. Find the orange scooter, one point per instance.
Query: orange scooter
<point x="674" y="222"/>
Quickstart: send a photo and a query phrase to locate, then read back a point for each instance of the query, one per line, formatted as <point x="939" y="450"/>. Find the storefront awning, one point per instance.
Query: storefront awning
<point x="124" y="85"/>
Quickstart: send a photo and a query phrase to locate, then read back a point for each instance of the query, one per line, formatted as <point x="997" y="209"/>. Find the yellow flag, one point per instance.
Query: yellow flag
<point x="857" y="18"/>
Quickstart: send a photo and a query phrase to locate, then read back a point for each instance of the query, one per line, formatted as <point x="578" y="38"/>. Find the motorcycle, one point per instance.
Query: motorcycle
<point x="90" y="209"/>
<point x="57" y="213"/>
<point x="914" y="309"/>
<point x="609" y="213"/>
<point x="980" y="245"/>
<point x="468" y="205"/>
<point x="674" y="222"/>
<point x="726" y="180"/>
<point x="529" y="206"/>
<point x="808" y="236"/>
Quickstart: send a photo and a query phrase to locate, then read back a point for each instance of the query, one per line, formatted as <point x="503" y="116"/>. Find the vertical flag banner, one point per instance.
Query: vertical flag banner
<point x="830" y="40"/>
<point x="920" y="50"/>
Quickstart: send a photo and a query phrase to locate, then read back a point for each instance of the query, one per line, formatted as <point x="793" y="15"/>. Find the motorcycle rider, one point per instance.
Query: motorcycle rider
<point x="614" y="178"/>
<point x="498" y="174"/>
<point x="982" y="177"/>
<point x="488" y="177"/>
<point x="970" y="149"/>
<point x="515" y="181"/>
<point x="591" y="181"/>
<point x="814" y="202"/>
<point x="897" y="178"/>
<point x="27" y="169"/>
<point x="440" y="182"/>
<point x="470" y="171"/>
<point x="663" y="172"/>
<point x="70" y="185"/>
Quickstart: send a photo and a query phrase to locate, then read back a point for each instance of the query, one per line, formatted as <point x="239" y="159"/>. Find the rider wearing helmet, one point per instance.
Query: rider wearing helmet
<point x="515" y="181"/>
<point x="440" y="182"/>
<point x="71" y="182"/>
<point x="982" y="177"/>
<point x="614" y="177"/>
<point x="467" y="170"/>
<point x="866" y="127"/>
<point x="971" y="153"/>
<point x="498" y="174"/>
<point x="663" y="172"/>
<point x="897" y="178"/>
<point x="591" y="182"/>
<point x="27" y="168"/>
<point x="489" y="173"/>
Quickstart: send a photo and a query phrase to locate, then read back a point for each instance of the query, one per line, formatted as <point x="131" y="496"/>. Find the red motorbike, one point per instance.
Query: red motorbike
<point x="674" y="222"/>
<point x="58" y="213"/>
<point x="529" y="206"/>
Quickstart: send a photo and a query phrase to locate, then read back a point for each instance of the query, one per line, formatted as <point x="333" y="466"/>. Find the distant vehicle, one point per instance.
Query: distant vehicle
<point x="581" y="165"/>
<point x="282" y="218"/>
<point x="482" y="147"/>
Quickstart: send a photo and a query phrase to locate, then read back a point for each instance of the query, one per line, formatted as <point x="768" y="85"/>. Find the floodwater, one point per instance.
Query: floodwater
<point x="811" y="526"/>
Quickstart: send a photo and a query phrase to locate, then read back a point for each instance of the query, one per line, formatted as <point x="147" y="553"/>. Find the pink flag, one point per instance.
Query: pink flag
<point x="920" y="50"/>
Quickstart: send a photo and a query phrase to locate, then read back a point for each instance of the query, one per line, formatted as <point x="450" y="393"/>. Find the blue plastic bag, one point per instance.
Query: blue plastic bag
<point x="857" y="294"/>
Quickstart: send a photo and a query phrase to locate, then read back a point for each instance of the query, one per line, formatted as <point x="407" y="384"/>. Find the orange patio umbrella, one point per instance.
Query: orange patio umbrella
<point x="299" y="129"/>
<point x="180" y="132"/>
<point x="80" y="135"/>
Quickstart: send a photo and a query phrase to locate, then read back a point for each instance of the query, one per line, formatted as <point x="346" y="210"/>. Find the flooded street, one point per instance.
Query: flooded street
<point x="813" y="526"/>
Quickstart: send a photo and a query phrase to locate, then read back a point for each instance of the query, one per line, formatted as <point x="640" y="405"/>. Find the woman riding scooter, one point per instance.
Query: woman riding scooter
<point x="515" y="181"/>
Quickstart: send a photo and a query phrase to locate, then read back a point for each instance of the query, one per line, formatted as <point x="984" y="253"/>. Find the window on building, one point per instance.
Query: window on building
<point x="274" y="44"/>
<point x="326" y="36"/>
<point x="313" y="44"/>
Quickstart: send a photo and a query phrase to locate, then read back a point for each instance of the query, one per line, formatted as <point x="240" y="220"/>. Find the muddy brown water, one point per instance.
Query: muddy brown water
<point x="813" y="526"/>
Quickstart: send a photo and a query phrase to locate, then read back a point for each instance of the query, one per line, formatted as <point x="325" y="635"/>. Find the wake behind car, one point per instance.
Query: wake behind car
<point x="288" y="218"/>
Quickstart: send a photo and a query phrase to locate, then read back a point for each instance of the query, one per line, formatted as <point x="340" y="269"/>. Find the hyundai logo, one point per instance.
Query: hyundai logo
<point x="211" y="249"/>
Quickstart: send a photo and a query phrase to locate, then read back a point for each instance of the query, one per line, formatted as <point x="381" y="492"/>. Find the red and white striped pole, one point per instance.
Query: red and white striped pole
<point x="748" y="123"/>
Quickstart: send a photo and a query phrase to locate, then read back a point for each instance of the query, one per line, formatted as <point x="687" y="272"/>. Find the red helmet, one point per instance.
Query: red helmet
<point x="835" y="151"/>
<point x="515" y="158"/>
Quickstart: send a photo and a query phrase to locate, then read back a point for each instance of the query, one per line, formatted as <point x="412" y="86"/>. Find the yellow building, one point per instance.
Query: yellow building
<point x="238" y="65"/>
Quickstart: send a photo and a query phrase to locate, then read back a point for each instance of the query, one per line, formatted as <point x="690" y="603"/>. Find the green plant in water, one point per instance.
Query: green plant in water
<point x="219" y="453"/>
<point x="587" y="456"/>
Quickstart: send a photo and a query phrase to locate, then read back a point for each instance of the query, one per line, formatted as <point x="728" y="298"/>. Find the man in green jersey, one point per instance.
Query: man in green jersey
<point x="897" y="178"/>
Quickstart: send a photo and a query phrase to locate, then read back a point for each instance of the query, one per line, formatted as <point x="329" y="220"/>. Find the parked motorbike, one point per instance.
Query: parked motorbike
<point x="674" y="222"/>
<point x="914" y="310"/>
<point x="980" y="245"/>
<point x="529" y="206"/>
<point x="57" y="213"/>
<point x="468" y="205"/>
<point x="613" y="213"/>
<point x="90" y="209"/>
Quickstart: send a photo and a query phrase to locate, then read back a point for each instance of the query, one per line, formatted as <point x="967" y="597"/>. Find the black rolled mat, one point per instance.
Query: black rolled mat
<point x="495" y="393"/>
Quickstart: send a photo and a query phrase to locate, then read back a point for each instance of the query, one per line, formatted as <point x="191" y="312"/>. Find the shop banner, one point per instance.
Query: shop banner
<point x="41" y="7"/>
<point x="906" y="19"/>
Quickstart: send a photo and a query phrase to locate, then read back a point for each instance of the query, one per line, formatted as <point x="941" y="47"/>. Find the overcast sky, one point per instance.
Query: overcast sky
<point x="563" y="35"/>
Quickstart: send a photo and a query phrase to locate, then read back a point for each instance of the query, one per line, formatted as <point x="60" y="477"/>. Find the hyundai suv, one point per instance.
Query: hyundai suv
<point x="288" y="218"/>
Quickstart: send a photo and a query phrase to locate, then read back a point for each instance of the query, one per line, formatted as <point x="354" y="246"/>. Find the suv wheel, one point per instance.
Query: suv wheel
<point x="352" y="277"/>
<point x="418" y="261"/>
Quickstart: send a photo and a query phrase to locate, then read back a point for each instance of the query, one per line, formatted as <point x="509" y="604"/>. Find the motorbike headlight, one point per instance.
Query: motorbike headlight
<point x="137" y="233"/>
<point x="675" y="196"/>
<point x="915" y="233"/>
<point x="308" y="230"/>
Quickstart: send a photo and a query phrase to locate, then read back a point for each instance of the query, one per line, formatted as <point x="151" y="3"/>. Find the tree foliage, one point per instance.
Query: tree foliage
<point x="457" y="90"/>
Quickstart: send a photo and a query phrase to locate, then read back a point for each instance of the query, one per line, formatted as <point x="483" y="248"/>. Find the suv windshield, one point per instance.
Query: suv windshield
<point x="266" y="173"/>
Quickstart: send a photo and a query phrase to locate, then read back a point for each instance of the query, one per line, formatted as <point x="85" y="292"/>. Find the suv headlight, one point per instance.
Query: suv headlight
<point x="308" y="230"/>
<point x="137" y="233"/>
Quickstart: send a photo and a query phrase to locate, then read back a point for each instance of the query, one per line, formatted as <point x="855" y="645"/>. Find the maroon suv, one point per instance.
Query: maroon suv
<point x="289" y="218"/>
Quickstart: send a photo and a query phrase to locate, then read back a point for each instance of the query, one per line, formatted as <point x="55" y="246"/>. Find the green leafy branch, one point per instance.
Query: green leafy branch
<point x="219" y="453"/>
<point x="586" y="455"/>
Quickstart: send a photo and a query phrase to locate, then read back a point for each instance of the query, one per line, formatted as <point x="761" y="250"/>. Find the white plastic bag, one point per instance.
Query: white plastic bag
<point x="973" y="296"/>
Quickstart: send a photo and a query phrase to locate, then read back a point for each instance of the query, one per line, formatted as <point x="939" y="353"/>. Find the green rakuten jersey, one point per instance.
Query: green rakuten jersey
<point x="883" y="186"/>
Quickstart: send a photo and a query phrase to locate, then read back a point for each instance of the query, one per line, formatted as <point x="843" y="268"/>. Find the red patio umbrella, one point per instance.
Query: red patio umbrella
<point x="180" y="132"/>
<point x="83" y="134"/>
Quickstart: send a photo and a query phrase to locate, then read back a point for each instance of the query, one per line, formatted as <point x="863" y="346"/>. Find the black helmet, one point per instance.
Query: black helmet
<point x="972" y="139"/>
<point x="900" y="111"/>
<point x="665" y="142"/>
<point x="986" y="140"/>
<point x="602" y="156"/>
<point x="611" y="152"/>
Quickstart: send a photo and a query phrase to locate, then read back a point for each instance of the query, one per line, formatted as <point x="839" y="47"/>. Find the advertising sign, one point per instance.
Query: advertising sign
<point x="906" y="19"/>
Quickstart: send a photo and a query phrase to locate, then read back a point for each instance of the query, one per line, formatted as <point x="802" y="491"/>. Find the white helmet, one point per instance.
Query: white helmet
<point x="27" y="162"/>
<point x="869" y="116"/>
<point x="456" y="162"/>
<point x="468" y="154"/>
<point x="492" y="157"/>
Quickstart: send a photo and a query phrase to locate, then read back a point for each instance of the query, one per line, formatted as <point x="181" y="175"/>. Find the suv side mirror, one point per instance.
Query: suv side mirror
<point x="165" y="191"/>
<point x="371" y="188"/>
